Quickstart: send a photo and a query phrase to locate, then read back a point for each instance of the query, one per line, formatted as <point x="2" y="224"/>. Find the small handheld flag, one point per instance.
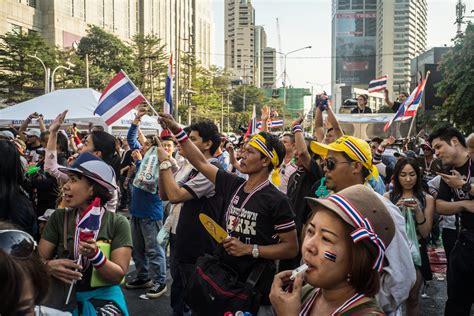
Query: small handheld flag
<point x="118" y="98"/>
<point x="271" y="124"/>
<point x="168" y="105"/>
<point x="378" y="84"/>
<point x="252" y="128"/>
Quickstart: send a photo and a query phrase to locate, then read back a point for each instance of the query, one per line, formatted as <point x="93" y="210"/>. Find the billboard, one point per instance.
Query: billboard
<point x="355" y="47"/>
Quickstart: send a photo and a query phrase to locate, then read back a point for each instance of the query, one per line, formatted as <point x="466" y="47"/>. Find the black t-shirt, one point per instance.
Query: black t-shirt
<point x="447" y="193"/>
<point x="20" y="211"/>
<point x="192" y="239"/>
<point x="300" y="186"/>
<point x="265" y="215"/>
<point x="356" y="110"/>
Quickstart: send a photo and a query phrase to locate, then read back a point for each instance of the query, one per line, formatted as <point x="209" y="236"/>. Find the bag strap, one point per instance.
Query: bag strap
<point x="255" y="275"/>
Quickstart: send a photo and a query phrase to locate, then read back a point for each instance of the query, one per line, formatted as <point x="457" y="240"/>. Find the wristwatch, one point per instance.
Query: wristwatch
<point x="255" y="252"/>
<point x="466" y="187"/>
<point x="166" y="164"/>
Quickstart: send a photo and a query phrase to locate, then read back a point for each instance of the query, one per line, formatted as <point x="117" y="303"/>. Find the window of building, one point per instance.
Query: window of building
<point x="15" y="28"/>
<point x="31" y="3"/>
<point x="370" y="4"/>
<point x="343" y="4"/>
<point x="357" y="4"/>
<point x="69" y="5"/>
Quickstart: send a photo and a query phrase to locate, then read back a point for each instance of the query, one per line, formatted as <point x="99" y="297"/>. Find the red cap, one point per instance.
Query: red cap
<point x="165" y="133"/>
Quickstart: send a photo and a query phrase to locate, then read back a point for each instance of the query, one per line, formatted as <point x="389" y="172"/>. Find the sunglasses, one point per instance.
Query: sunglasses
<point x="331" y="164"/>
<point x="17" y="243"/>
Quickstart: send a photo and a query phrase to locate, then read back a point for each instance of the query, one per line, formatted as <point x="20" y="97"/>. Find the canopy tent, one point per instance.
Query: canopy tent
<point x="81" y="104"/>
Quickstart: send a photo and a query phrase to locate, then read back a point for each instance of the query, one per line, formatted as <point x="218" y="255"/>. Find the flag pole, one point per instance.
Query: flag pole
<point x="72" y="283"/>
<point x="146" y="100"/>
<point x="414" y="117"/>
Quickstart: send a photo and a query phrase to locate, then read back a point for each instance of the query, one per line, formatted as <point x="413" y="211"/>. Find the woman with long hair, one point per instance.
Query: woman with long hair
<point x="418" y="209"/>
<point x="343" y="250"/>
<point x="15" y="205"/>
<point x="87" y="244"/>
<point x="98" y="143"/>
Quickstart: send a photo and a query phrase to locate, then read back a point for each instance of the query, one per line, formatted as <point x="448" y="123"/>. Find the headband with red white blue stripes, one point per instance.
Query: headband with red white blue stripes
<point x="363" y="228"/>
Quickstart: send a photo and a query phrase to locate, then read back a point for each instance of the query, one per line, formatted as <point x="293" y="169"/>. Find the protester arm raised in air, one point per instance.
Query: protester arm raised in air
<point x="191" y="152"/>
<point x="334" y="123"/>
<point x="300" y="145"/>
<point x="51" y="158"/>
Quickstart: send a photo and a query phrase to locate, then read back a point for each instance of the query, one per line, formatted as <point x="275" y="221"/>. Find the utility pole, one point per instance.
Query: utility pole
<point x="460" y="9"/>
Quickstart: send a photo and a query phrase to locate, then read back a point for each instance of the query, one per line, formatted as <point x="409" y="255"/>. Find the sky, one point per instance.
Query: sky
<point x="308" y="22"/>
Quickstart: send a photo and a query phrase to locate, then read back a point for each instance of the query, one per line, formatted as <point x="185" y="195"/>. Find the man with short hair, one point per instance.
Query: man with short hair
<point x="470" y="145"/>
<point x="456" y="196"/>
<point x="197" y="195"/>
<point x="259" y="218"/>
<point x="348" y="161"/>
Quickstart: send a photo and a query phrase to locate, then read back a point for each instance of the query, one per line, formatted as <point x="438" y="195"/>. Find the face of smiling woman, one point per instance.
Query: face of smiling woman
<point x="77" y="192"/>
<point x="324" y="233"/>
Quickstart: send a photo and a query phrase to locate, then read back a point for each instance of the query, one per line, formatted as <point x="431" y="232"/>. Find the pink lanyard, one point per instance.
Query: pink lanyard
<point x="307" y="306"/>
<point x="235" y="222"/>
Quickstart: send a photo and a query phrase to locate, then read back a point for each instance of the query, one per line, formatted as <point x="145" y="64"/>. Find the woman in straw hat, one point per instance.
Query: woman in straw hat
<point x="344" y="243"/>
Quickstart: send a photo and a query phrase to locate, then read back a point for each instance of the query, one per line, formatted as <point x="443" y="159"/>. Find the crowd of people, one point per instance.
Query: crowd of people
<point x="326" y="224"/>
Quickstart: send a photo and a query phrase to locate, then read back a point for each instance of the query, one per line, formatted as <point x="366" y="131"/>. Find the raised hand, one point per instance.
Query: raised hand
<point x="299" y="120"/>
<point x="56" y="124"/>
<point x="167" y="121"/>
<point x="140" y="113"/>
<point x="265" y="113"/>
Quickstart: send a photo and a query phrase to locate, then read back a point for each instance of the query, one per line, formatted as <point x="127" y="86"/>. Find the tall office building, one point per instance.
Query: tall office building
<point x="239" y="39"/>
<point x="353" y="45"/>
<point x="184" y="25"/>
<point x="260" y="44"/>
<point x="269" y="67"/>
<point x="401" y="36"/>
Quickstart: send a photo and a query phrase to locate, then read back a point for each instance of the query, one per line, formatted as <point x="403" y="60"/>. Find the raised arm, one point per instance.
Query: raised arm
<point x="334" y="122"/>
<point x="264" y="118"/>
<point x="300" y="145"/>
<point x="191" y="152"/>
<point x="25" y="124"/>
<point x="318" y="132"/>
<point x="232" y="158"/>
<point x="387" y="99"/>
<point x="133" y="130"/>
<point x="51" y="158"/>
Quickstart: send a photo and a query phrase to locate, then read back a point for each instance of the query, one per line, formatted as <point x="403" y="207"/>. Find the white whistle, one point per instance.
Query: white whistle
<point x="302" y="268"/>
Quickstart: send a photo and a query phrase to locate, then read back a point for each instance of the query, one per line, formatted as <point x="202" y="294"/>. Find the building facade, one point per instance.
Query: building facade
<point x="269" y="67"/>
<point x="260" y="44"/>
<point x="183" y="25"/>
<point x="401" y="36"/>
<point x="239" y="39"/>
<point x="354" y="44"/>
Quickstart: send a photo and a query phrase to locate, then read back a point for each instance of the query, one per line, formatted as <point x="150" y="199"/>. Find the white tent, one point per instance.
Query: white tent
<point x="81" y="104"/>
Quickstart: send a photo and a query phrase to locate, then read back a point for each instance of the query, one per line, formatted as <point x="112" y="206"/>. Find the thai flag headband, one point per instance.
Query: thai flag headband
<point x="363" y="228"/>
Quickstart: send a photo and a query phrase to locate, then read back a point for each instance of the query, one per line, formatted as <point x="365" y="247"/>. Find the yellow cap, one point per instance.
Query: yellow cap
<point x="356" y="148"/>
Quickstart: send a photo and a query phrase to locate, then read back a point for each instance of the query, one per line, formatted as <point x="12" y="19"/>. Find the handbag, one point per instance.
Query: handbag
<point x="215" y="288"/>
<point x="148" y="173"/>
<point x="58" y="290"/>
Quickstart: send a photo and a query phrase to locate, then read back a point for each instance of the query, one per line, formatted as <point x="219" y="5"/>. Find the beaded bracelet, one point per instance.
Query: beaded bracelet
<point x="297" y="128"/>
<point x="99" y="259"/>
<point x="181" y="136"/>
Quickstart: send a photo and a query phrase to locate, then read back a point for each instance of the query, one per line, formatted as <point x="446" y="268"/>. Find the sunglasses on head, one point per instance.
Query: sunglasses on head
<point x="331" y="164"/>
<point x="17" y="243"/>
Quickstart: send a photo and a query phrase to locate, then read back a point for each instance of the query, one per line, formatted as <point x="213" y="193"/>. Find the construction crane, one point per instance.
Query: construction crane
<point x="280" y="50"/>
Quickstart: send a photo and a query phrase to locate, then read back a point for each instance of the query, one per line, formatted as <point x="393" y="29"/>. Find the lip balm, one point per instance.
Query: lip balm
<point x="302" y="268"/>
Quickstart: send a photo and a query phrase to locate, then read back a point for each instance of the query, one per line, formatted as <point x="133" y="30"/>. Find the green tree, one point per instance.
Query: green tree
<point x="457" y="85"/>
<point x="21" y="76"/>
<point x="107" y="55"/>
<point x="252" y="96"/>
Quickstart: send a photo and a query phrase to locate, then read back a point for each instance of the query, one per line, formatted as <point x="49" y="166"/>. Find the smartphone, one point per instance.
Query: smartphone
<point x="409" y="200"/>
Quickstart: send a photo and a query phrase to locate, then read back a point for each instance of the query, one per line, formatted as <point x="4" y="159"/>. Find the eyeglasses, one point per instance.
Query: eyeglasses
<point x="331" y="164"/>
<point x="17" y="243"/>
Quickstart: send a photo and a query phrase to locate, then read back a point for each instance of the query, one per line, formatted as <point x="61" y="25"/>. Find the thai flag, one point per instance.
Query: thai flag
<point x="168" y="106"/>
<point x="271" y="124"/>
<point x="88" y="225"/>
<point x="119" y="97"/>
<point x="252" y="128"/>
<point x="410" y="106"/>
<point x="378" y="84"/>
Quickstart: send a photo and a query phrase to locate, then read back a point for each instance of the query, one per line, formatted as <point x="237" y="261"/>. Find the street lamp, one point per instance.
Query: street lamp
<point x="284" y="69"/>
<point x="46" y="72"/>
<point x="69" y="66"/>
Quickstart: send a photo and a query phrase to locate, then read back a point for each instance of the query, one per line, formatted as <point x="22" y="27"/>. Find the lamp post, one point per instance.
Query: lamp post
<point x="46" y="73"/>
<point x="69" y="66"/>
<point x="284" y="69"/>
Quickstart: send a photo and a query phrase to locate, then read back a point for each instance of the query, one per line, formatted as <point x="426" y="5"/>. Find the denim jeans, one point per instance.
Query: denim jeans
<point x="148" y="255"/>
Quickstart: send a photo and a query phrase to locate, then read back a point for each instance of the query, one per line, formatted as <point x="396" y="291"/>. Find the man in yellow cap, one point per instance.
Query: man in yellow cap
<point x="347" y="162"/>
<point x="259" y="218"/>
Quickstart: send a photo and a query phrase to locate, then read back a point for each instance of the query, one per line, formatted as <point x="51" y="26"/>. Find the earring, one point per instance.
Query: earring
<point x="349" y="276"/>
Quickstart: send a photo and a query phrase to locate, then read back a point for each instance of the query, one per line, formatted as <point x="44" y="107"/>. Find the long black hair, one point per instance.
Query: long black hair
<point x="397" y="191"/>
<point x="11" y="175"/>
<point x="105" y="143"/>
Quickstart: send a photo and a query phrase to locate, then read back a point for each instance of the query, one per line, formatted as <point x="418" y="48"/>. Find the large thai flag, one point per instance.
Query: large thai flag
<point x="252" y="128"/>
<point x="378" y="84"/>
<point x="271" y="124"/>
<point x="410" y="106"/>
<point x="118" y="98"/>
<point x="168" y="106"/>
<point x="88" y="225"/>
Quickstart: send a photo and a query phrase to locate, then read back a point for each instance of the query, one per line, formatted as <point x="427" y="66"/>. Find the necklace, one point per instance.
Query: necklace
<point x="351" y="301"/>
